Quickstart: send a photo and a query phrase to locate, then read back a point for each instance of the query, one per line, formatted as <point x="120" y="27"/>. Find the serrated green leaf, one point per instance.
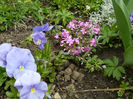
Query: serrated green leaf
<point x="121" y="69"/>
<point x="115" y="60"/>
<point x="111" y="70"/>
<point x="108" y="62"/>
<point x="116" y="74"/>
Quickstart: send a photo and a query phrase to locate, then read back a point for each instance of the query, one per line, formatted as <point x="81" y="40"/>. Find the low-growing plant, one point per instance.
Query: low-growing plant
<point x="44" y="62"/>
<point x="107" y="34"/>
<point x="79" y="7"/>
<point x="113" y="68"/>
<point x="61" y="16"/>
<point x="125" y="86"/>
<point x="79" y="38"/>
<point x="13" y="12"/>
<point x="93" y="63"/>
<point x="3" y="76"/>
<point x="105" y="15"/>
<point x="11" y="91"/>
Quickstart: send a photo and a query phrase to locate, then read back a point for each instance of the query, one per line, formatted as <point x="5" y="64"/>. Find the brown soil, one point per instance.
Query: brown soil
<point x="94" y="80"/>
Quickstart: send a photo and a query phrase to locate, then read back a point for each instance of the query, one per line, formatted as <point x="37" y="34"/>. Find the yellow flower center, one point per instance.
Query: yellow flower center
<point x="87" y="7"/>
<point x="21" y="68"/>
<point x="39" y="41"/>
<point x="32" y="90"/>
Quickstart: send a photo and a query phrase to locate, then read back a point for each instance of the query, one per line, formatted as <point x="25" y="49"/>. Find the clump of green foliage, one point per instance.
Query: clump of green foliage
<point x="61" y="16"/>
<point x="14" y="11"/>
<point x="77" y="6"/>
<point x="94" y="63"/>
<point x="44" y="63"/>
<point x="107" y="34"/>
<point x="113" y="69"/>
<point x="11" y="91"/>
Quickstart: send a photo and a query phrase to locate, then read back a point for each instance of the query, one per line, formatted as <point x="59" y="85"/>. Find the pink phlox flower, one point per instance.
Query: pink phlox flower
<point x="96" y="31"/>
<point x="83" y="31"/>
<point x="80" y="23"/>
<point x="62" y="42"/>
<point x="87" y="49"/>
<point x="74" y="21"/>
<point x="97" y="25"/>
<point x="76" y="40"/>
<point x="75" y="52"/>
<point x="89" y="26"/>
<point x="93" y="42"/>
<point x="56" y="36"/>
<point x="69" y="40"/>
<point x="86" y="24"/>
<point x="71" y="25"/>
<point x="65" y="33"/>
<point x="83" y="41"/>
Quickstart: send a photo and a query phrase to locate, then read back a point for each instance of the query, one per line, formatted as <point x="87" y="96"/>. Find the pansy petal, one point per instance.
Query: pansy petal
<point x="41" y="46"/>
<point x="25" y="91"/>
<point x="28" y="78"/>
<point x="4" y="49"/>
<point x="17" y="57"/>
<point x="37" y="29"/>
<point x="31" y="66"/>
<point x="42" y="86"/>
<point x="33" y="96"/>
<point x="39" y="93"/>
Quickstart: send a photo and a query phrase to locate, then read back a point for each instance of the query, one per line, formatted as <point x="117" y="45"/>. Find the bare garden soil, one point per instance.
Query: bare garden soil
<point x="73" y="81"/>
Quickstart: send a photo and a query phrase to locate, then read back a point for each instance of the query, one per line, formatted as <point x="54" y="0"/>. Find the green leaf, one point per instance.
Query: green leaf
<point x="121" y="69"/>
<point x="108" y="62"/>
<point x="111" y="70"/>
<point x="128" y="56"/>
<point x="115" y="60"/>
<point x="123" y="21"/>
<point x="116" y="74"/>
<point x="130" y="6"/>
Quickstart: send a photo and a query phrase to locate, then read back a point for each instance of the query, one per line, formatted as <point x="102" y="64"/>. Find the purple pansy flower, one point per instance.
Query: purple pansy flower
<point x="43" y="28"/>
<point x="30" y="87"/>
<point x="4" y="49"/>
<point x="131" y="17"/>
<point x="19" y="61"/>
<point x="39" y="39"/>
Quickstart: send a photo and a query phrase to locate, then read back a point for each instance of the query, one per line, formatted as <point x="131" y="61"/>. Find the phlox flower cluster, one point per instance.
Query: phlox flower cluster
<point x="39" y="35"/>
<point x="81" y="37"/>
<point x="20" y="64"/>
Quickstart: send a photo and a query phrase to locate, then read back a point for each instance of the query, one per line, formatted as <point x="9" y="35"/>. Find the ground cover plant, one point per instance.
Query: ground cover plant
<point x="68" y="49"/>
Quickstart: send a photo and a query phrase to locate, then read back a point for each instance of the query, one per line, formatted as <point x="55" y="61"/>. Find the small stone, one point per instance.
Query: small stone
<point x="72" y="66"/>
<point x="60" y="68"/>
<point x="67" y="77"/>
<point x="61" y="73"/>
<point x="75" y="75"/>
<point x="72" y="81"/>
<point x="57" y="96"/>
<point x="70" y="87"/>
<point x="64" y="96"/>
<point x="58" y="77"/>
<point x="81" y="76"/>
<point x="68" y="71"/>
<point x="66" y="63"/>
<point x="52" y="89"/>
